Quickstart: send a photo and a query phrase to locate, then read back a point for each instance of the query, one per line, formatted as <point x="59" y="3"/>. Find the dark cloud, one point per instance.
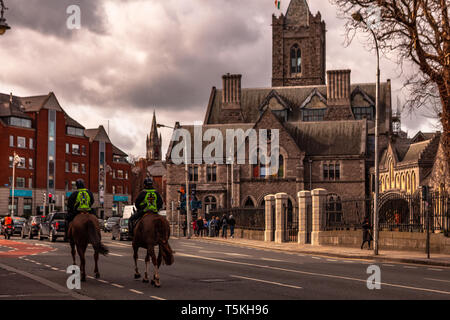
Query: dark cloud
<point x="49" y="16"/>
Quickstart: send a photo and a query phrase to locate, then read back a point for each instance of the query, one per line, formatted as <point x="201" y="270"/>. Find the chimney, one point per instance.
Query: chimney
<point x="231" y="93"/>
<point x="338" y="87"/>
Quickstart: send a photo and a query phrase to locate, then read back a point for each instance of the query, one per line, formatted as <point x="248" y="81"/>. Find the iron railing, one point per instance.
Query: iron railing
<point x="246" y="218"/>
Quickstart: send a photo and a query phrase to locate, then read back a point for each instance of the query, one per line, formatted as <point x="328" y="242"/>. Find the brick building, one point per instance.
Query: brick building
<point x="56" y="151"/>
<point x="326" y="129"/>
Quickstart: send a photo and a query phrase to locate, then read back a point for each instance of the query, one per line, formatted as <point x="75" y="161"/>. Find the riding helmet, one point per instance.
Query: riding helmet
<point x="148" y="183"/>
<point x="80" y="184"/>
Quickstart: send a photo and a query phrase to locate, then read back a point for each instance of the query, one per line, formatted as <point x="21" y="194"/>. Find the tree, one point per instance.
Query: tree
<point x="418" y="32"/>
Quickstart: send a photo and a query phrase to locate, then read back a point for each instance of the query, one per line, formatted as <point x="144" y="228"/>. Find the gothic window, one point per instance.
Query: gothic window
<point x="334" y="210"/>
<point x="281" y="167"/>
<point x="296" y="59"/>
<point x="249" y="203"/>
<point x="210" y="203"/>
<point x="211" y="173"/>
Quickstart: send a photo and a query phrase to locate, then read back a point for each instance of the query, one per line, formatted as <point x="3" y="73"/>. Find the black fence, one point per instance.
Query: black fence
<point x="246" y="218"/>
<point x="346" y="214"/>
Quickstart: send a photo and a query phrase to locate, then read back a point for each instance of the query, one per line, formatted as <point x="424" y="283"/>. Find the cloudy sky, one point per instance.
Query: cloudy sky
<point x="131" y="57"/>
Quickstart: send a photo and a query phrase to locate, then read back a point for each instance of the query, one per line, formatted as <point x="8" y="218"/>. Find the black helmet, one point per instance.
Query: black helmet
<point x="148" y="183"/>
<point x="80" y="184"/>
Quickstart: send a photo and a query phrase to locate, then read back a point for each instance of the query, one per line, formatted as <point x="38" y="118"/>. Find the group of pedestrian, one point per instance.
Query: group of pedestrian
<point x="213" y="226"/>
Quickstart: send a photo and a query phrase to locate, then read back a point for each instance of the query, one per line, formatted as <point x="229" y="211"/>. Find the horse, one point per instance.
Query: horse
<point x="152" y="230"/>
<point x="84" y="229"/>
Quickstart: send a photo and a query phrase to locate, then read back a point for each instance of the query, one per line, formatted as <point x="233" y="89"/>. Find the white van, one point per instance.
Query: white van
<point x="127" y="211"/>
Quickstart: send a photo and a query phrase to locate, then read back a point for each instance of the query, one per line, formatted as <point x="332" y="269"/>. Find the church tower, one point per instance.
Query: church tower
<point x="299" y="41"/>
<point x="154" y="142"/>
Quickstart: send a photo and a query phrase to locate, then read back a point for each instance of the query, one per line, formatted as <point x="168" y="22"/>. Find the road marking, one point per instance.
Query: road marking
<point x="115" y="254"/>
<point x="38" y="263"/>
<point x="90" y="277"/>
<point x="437" y="280"/>
<point x="388" y="265"/>
<point x="348" y="261"/>
<point x="265" y="281"/>
<point x="434" y="269"/>
<point x="235" y="254"/>
<point x="409" y="267"/>
<point x="102" y="281"/>
<point x="317" y="258"/>
<point x="48" y="266"/>
<point x="157" y="298"/>
<point x="312" y="273"/>
<point x="268" y="259"/>
<point x="331" y="260"/>
<point x="135" y="291"/>
<point x="117" y="285"/>
<point x="56" y="269"/>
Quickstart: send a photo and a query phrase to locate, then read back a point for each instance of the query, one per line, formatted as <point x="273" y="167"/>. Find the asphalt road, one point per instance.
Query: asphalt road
<point x="32" y="269"/>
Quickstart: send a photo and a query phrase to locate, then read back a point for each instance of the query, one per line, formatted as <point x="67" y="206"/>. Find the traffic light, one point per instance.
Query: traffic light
<point x="50" y="198"/>
<point x="44" y="198"/>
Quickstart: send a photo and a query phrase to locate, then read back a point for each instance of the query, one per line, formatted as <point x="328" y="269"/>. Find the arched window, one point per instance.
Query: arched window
<point x="403" y="182"/>
<point x="211" y="203"/>
<point x="408" y="183"/>
<point x="391" y="174"/>
<point x="397" y="182"/>
<point x="249" y="203"/>
<point x="281" y="166"/>
<point x="413" y="182"/>
<point x="296" y="59"/>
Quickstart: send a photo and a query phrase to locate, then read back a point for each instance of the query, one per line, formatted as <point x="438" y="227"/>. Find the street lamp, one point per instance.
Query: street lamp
<point x="3" y="25"/>
<point x="188" y="211"/>
<point x="16" y="160"/>
<point x="359" y="18"/>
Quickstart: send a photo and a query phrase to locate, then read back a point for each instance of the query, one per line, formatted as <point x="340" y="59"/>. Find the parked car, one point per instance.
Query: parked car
<point x="101" y="224"/>
<point x="110" y="223"/>
<point x="52" y="227"/>
<point x="31" y="227"/>
<point x="120" y="230"/>
<point x="18" y="224"/>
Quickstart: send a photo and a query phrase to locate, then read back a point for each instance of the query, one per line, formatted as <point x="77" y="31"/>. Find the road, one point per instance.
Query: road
<point x="32" y="269"/>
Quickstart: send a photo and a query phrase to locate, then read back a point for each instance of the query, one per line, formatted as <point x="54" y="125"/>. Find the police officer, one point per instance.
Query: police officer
<point x="148" y="201"/>
<point x="79" y="201"/>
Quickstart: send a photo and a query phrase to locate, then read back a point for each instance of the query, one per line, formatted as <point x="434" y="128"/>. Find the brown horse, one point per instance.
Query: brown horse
<point x="84" y="229"/>
<point x="152" y="230"/>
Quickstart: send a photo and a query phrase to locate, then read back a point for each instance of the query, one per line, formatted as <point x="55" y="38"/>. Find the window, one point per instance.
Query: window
<point x="309" y="115"/>
<point x="11" y="141"/>
<point x="83" y="150"/>
<point x="30" y="183"/>
<point x="114" y="174"/>
<point x="83" y="168"/>
<point x="249" y="203"/>
<point x="20" y="182"/>
<point x="262" y="168"/>
<point x="75" y="131"/>
<point x="75" y="149"/>
<point x="30" y="163"/>
<point x="193" y="173"/>
<point x="31" y="143"/>
<point x="337" y="171"/>
<point x="113" y="189"/>
<point x="211" y="173"/>
<point x="280" y="167"/>
<point x="210" y="203"/>
<point x="119" y="174"/>
<point x="325" y="171"/>
<point x="22" y="163"/>
<point x="332" y="171"/>
<point x="296" y="59"/>
<point x="75" y="167"/>
<point x="119" y="190"/>
<point x="19" y="122"/>
<point x="67" y="166"/>
<point x="67" y="148"/>
<point x="363" y="113"/>
<point x="126" y="175"/>
<point x="21" y="142"/>
<point x="74" y="185"/>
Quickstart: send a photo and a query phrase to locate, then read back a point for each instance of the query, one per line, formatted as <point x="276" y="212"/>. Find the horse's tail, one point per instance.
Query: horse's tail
<point x="164" y="246"/>
<point x="95" y="239"/>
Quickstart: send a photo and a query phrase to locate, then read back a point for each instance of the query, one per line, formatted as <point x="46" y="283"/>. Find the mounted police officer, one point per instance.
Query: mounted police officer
<point x="148" y="201"/>
<point x="79" y="201"/>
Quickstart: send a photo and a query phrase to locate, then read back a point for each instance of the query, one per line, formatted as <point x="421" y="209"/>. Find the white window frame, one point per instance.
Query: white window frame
<point x="75" y="167"/>
<point x="24" y="140"/>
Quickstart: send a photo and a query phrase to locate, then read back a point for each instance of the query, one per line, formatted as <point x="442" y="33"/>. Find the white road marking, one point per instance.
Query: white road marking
<point x="348" y="261"/>
<point x="235" y="254"/>
<point x="268" y="259"/>
<point x="388" y="265"/>
<point x="409" y="267"/>
<point x="317" y="258"/>
<point x="433" y="269"/>
<point x="135" y="291"/>
<point x="331" y="260"/>
<point x="157" y="298"/>
<point x="437" y="280"/>
<point x="115" y="254"/>
<point x="102" y="281"/>
<point x="38" y="263"/>
<point x="56" y="269"/>
<point x="117" y="285"/>
<point x="265" y="281"/>
<point x="48" y="266"/>
<point x="90" y="277"/>
<point x="312" y="273"/>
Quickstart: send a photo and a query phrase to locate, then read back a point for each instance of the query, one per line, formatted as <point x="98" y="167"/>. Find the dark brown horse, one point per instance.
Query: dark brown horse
<point x="152" y="230"/>
<point x="84" y="229"/>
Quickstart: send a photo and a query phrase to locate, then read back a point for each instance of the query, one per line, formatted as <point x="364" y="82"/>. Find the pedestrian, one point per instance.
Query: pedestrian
<point x="199" y="226"/>
<point x="184" y="227"/>
<point x="205" y="227"/>
<point x="232" y="223"/>
<point x="194" y="227"/>
<point x="224" y="223"/>
<point x="212" y="227"/>
<point x="217" y="225"/>
<point x="367" y="236"/>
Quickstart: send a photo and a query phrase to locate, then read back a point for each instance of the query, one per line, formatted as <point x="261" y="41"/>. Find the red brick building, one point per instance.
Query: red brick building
<point x="56" y="151"/>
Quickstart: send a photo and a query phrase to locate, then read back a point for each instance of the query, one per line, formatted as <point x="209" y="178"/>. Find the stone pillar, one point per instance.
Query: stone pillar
<point x="304" y="200"/>
<point x="269" y="204"/>
<point x="281" y="202"/>
<point x="319" y="198"/>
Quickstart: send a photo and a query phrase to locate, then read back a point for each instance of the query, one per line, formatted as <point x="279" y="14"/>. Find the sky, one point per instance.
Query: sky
<point x="131" y="57"/>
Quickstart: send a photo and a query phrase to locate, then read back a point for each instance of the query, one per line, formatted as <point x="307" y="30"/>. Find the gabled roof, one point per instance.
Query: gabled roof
<point x="281" y="100"/>
<point x="14" y="109"/>
<point x="98" y="134"/>
<point x="118" y="152"/>
<point x="365" y="96"/>
<point x="422" y="136"/>
<point x="314" y="93"/>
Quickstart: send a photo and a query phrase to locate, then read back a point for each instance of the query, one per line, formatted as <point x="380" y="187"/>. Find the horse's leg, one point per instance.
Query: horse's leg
<point x="155" y="280"/>
<point x="159" y="260"/>
<point x="73" y="252"/>
<point x="147" y="262"/>
<point x="97" y="274"/>
<point x="81" y="250"/>
<point x="137" y="275"/>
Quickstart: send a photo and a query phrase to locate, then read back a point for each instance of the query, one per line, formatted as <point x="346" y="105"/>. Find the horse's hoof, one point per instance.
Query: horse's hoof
<point x="137" y="276"/>
<point x="145" y="280"/>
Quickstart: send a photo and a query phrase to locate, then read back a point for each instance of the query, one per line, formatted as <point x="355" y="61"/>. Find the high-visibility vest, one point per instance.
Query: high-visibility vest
<point x="150" y="201"/>
<point x="83" y="200"/>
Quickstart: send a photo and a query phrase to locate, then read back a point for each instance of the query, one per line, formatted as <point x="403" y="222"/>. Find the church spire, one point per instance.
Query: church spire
<point x="154" y="141"/>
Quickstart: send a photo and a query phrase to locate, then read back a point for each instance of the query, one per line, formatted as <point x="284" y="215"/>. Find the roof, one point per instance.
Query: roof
<point x="253" y="98"/>
<point x="34" y="103"/>
<point x="72" y="122"/>
<point x="118" y="152"/>
<point x="98" y="134"/>
<point x="14" y="109"/>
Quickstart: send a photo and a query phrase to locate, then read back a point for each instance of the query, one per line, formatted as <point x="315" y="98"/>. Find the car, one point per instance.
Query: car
<point x="53" y="226"/>
<point x="120" y="230"/>
<point x="31" y="227"/>
<point x="101" y="224"/>
<point x="110" y="223"/>
<point x="18" y="224"/>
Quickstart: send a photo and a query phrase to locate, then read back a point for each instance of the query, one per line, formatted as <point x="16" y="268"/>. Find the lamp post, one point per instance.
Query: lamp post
<point x="188" y="211"/>
<point x="16" y="160"/>
<point x="3" y="25"/>
<point x="359" y="18"/>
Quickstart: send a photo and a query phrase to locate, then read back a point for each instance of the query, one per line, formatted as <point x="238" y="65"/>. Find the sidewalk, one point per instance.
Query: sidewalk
<point x="417" y="257"/>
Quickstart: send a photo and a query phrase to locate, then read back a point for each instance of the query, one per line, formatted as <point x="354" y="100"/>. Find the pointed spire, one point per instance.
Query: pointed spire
<point x="298" y="13"/>
<point x="154" y="130"/>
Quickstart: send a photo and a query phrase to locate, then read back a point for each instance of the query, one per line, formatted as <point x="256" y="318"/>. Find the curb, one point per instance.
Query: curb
<point x="335" y="255"/>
